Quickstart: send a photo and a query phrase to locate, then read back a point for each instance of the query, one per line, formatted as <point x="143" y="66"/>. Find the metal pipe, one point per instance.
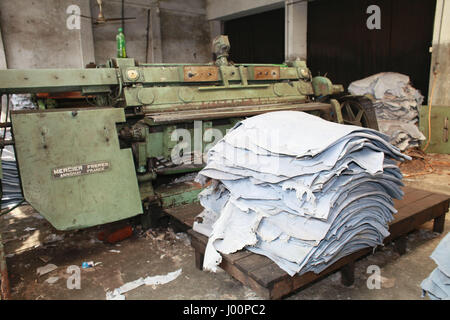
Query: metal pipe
<point x="6" y="143"/>
<point x="146" y="177"/>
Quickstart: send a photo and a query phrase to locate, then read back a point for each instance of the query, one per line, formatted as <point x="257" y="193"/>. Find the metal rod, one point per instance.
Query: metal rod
<point x="123" y="16"/>
<point x="6" y="143"/>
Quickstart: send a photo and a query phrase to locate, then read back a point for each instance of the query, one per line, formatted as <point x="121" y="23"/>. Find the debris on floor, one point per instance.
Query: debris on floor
<point x="396" y="105"/>
<point x="114" y="236"/>
<point x="53" y="238"/>
<point x="437" y="285"/>
<point x="46" y="269"/>
<point x="303" y="198"/>
<point x="45" y="259"/>
<point x="117" y="294"/>
<point x="424" y="163"/>
<point x="52" y="280"/>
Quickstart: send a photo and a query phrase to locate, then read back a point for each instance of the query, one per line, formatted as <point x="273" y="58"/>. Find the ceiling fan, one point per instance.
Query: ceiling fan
<point x="101" y="18"/>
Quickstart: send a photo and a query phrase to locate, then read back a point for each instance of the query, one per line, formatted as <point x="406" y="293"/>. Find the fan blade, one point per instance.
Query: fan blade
<point x="87" y="17"/>
<point x="119" y="19"/>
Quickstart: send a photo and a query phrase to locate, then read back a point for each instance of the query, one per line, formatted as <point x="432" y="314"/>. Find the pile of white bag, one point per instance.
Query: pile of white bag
<point x="298" y="189"/>
<point x="437" y="285"/>
<point x="396" y="104"/>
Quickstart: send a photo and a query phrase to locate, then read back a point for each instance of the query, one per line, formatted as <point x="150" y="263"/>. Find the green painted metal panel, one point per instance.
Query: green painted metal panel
<point x="178" y="194"/>
<point x="174" y="73"/>
<point x="167" y="96"/>
<point x="440" y="116"/>
<point x="72" y="168"/>
<point x="160" y="143"/>
<point x="55" y="80"/>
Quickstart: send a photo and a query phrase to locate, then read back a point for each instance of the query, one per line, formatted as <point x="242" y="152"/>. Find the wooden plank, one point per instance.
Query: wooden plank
<point x="286" y="285"/>
<point x="201" y="241"/>
<point x="416" y="214"/>
<point x="268" y="276"/>
<point x="411" y="195"/>
<point x="234" y="257"/>
<point x="253" y="262"/>
<point x="185" y="214"/>
<point x="245" y="279"/>
<point x="417" y="206"/>
<point x="199" y="237"/>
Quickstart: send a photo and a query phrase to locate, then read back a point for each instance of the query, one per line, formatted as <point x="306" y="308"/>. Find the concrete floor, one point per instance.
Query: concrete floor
<point x="162" y="251"/>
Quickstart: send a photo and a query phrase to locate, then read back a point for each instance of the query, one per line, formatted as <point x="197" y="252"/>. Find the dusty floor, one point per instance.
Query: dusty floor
<point x="30" y="243"/>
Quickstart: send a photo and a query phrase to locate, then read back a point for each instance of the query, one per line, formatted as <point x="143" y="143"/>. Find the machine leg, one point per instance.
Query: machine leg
<point x="438" y="224"/>
<point x="153" y="217"/>
<point x="400" y="245"/>
<point x="199" y="259"/>
<point x="348" y="274"/>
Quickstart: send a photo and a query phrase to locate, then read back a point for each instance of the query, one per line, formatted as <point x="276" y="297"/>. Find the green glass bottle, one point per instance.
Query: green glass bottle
<point x="121" y="48"/>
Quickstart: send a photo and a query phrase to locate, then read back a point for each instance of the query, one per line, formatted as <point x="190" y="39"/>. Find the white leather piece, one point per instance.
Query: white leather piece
<point x="321" y="193"/>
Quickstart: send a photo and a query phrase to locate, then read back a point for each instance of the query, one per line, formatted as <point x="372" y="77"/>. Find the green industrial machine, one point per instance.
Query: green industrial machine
<point x="116" y="147"/>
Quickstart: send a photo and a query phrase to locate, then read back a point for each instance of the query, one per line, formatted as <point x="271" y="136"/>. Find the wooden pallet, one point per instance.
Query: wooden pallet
<point x="270" y="282"/>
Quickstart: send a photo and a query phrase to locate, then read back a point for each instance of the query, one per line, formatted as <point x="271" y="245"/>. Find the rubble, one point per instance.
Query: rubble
<point x="46" y="269"/>
<point x="117" y="294"/>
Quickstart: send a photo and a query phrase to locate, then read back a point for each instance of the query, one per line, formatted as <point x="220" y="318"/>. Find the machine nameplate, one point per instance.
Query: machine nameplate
<point x="200" y="73"/>
<point x="266" y="73"/>
<point x="82" y="169"/>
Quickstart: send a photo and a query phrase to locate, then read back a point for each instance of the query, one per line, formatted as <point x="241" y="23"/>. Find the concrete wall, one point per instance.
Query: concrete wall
<point x="230" y="9"/>
<point x="3" y="64"/>
<point x="135" y="30"/>
<point x="441" y="55"/>
<point x="185" y="32"/>
<point x="295" y="21"/>
<point x="296" y="29"/>
<point x="35" y="34"/>
<point x="178" y="31"/>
